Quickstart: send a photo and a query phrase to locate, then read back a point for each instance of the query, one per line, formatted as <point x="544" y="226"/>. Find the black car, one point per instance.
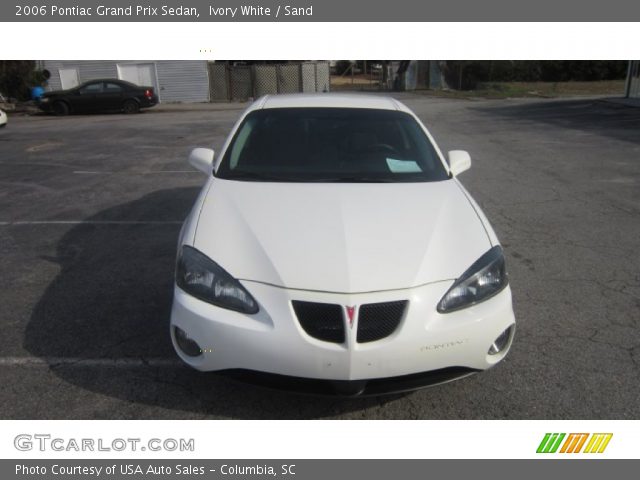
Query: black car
<point x="99" y="96"/>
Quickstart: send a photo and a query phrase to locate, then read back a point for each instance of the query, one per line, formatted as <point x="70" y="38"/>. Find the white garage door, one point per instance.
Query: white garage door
<point x="68" y="78"/>
<point x="140" y="74"/>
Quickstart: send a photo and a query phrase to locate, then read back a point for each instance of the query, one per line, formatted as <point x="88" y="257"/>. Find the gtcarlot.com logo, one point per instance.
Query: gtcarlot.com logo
<point x="574" y="443"/>
<point x="44" y="442"/>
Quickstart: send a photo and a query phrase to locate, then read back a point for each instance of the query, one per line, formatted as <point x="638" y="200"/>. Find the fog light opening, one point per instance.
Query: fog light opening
<point x="188" y="346"/>
<point x="502" y="342"/>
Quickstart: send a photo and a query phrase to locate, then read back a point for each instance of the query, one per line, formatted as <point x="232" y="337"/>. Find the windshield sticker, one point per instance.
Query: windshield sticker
<point x="403" y="166"/>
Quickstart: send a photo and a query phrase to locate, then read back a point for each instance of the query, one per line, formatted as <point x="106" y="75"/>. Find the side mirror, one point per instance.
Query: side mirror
<point x="202" y="159"/>
<point x="459" y="161"/>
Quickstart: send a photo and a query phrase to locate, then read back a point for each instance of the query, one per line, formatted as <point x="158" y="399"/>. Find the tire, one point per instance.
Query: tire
<point x="60" y="108"/>
<point x="130" y="106"/>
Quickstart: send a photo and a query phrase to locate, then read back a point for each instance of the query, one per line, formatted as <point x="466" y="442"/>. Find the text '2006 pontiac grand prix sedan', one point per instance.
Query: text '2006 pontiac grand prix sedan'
<point x="333" y="249"/>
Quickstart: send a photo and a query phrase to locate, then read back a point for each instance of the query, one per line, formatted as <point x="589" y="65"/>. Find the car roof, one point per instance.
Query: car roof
<point x="329" y="100"/>
<point x="111" y="80"/>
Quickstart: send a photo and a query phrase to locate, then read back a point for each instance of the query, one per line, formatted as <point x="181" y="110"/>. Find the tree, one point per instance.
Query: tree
<point x="17" y="77"/>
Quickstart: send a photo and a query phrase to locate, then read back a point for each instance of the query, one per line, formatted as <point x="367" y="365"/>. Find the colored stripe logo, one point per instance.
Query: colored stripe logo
<point x="574" y="443"/>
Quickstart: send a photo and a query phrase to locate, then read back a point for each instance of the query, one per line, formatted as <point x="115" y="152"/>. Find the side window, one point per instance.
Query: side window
<point x="240" y="142"/>
<point x="112" y="88"/>
<point x="91" y="89"/>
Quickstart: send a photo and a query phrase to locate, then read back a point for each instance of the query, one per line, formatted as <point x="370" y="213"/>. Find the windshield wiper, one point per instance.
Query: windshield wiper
<point x="257" y="177"/>
<point x="353" y="180"/>
<point x="266" y="177"/>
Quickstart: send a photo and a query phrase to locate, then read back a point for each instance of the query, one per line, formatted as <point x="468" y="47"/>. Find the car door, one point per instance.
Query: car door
<point x="86" y="97"/>
<point x="112" y="96"/>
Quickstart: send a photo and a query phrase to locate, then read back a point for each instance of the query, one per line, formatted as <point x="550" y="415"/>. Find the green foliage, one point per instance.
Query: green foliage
<point x="465" y="75"/>
<point x="17" y="77"/>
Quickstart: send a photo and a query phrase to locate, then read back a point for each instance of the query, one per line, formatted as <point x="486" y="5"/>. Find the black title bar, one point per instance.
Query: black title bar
<point x="315" y="469"/>
<point x="320" y="11"/>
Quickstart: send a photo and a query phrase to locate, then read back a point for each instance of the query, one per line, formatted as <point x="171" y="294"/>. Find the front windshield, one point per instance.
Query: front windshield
<point x="330" y="145"/>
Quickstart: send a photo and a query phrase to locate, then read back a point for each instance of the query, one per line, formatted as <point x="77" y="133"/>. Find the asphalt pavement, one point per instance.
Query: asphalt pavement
<point x="90" y="210"/>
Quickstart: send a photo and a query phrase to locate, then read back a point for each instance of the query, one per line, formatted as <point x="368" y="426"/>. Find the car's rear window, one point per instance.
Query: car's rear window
<point x="331" y="145"/>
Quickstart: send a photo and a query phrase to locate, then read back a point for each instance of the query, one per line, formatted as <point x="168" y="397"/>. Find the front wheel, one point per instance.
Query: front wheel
<point x="60" y="109"/>
<point x="131" y="106"/>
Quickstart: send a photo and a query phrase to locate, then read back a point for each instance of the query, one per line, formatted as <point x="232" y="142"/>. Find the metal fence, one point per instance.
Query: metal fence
<point x="633" y="79"/>
<point x="240" y="82"/>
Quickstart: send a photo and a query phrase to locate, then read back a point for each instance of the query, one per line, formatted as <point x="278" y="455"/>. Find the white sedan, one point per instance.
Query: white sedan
<point x="334" y="250"/>
<point x="3" y="119"/>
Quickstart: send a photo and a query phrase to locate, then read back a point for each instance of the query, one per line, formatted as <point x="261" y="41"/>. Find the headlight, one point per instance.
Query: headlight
<point x="201" y="277"/>
<point x="485" y="278"/>
<point x="44" y="99"/>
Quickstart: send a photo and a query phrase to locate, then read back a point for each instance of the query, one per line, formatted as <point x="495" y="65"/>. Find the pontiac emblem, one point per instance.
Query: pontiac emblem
<point x="351" y="313"/>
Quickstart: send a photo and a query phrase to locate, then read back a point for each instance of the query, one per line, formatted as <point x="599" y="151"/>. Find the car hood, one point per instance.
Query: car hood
<point x="335" y="237"/>
<point x="55" y="93"/>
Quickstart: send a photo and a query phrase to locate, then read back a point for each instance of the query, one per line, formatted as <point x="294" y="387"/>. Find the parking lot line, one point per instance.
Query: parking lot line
<point x="88" y="362"/>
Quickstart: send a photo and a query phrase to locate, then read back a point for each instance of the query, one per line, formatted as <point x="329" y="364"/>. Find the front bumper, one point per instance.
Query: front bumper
<point x="45" y="106"/>
<point x="272" y="341"/>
